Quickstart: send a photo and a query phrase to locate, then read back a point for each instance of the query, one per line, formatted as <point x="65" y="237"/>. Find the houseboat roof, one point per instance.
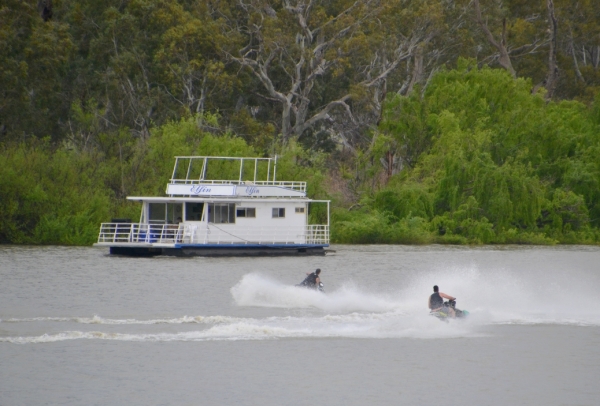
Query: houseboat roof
<point x="209" y="199"/>
<point x="206" y="176"/>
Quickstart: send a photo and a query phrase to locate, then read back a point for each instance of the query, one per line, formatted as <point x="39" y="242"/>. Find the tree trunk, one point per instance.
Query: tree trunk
<point x="574" y="56"/>
<point x="552" y="78"/>
<point x="417" y="72"/>
<point x="504" y="57"/>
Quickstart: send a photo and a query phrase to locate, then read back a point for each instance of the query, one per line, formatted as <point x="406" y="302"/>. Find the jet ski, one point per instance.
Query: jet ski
<point x="305" y="284"/>
<point x="444" y="314"/>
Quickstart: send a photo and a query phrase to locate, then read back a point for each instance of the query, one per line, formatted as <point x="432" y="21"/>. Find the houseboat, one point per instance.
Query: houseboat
<point x="223" y="206"/>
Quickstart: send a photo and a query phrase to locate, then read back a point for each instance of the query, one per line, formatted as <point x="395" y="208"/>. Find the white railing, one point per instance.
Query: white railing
<point x="135" y="233"/>
<point x="293" y="185"/>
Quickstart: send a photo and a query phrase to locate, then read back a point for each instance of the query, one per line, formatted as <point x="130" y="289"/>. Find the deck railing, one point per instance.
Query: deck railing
<point x="293" y="185"/>
<point x="135" y="233"/>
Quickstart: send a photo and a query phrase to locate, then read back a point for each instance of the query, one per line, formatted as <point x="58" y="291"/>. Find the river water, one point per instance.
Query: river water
<point x="79" y="327"/>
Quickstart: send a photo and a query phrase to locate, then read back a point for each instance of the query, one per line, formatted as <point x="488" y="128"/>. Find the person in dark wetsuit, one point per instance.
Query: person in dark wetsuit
<point x="436" y="302"/>
<point x="312" y="280"/>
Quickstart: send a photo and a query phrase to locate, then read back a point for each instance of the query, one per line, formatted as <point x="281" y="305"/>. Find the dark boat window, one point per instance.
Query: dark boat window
<point x="246" y="212"/>
<point x="174" y="213"/>
<point x="219" y="213"/>
<point x="193" y="211"/>
<point x="278" y="212"/>
<point x="164" y="213"/>
<point x="157" y="213"/>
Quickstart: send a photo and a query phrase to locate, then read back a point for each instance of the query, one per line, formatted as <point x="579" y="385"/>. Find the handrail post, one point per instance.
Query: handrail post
<point x="175" y="168"/>
<point x="255" y="168"/>
<point x="203" y="174"/>
<point x="187" y="175"/>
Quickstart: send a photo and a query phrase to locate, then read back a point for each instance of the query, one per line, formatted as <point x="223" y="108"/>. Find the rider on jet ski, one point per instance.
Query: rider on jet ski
<point x="436" y="302"/>
<point x="312" y="280"/>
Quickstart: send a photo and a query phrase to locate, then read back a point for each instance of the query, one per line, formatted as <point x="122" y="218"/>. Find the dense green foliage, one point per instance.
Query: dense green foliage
<point x="50" y="196"/>
<point x="388" y="108"/>
<point x="494" y="164"/>
<point x="486" y="162"/>
<point x="317" y="71"/>
<point x="61" y="195"/>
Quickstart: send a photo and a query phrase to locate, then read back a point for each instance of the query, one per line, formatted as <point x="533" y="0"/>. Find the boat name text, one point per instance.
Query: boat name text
<point x="199" y="189"/>
<point x="252" y="190"/>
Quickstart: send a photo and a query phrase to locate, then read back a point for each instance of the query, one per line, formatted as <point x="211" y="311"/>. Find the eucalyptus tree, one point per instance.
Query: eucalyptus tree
<point x="33" y="57"/>
<point x="512" y="31"/>
<point x="578" y="44"/>
<point x="551" y="41"/>
<point x="328" y="63"/>
<point x="143" y="62"/>
<point x="188" y="57"/>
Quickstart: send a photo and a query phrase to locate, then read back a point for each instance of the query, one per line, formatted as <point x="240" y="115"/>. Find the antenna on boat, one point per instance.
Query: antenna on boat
<point x="275" y="169"/>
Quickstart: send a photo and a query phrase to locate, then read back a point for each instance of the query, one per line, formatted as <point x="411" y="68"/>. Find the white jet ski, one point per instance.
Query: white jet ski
<point x="305" y="284"/>
<point x="444" y="313"/>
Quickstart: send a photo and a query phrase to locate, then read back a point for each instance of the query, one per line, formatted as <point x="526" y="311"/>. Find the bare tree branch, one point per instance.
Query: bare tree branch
<point x="552" y="77"/>
<point x="504" y="58"/>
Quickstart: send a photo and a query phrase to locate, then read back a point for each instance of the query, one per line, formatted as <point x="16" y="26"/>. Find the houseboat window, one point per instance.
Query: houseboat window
<point x="299" y="209"/>
<point x="193" y="211"/>
<point x="278" y="212"/>
<point x="246" y="212"/>
<point x="164" y="213"/>
<point x="174" y="212"/>
<point x="157" y="212"/>
<point x="221" y="212"/>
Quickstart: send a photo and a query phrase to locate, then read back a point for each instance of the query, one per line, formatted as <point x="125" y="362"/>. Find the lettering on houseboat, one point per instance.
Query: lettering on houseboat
<point x="198" y="189"/>
<point x="252" y="190"/>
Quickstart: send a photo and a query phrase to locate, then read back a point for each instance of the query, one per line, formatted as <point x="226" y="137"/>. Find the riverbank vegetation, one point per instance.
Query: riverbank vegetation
<point x="424" y="122"/>
<point x="492" y="164"/>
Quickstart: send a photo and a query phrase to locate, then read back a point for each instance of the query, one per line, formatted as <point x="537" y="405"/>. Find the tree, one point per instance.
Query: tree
<point x="34" y="54"/>
<point x="188" y="58"/>
<point x="578" y="48"/>
<point x="316" y="58"/>
<point x="500" y="45"/>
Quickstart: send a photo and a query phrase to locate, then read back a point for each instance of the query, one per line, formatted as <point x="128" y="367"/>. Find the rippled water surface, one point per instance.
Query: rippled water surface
<point x="79" y="327"/>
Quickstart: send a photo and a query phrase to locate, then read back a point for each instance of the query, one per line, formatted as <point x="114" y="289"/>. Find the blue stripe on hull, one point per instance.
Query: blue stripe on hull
<point x="222" y="250"/>
<point x="235" y="246"/>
